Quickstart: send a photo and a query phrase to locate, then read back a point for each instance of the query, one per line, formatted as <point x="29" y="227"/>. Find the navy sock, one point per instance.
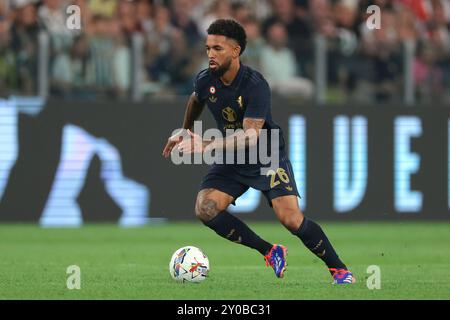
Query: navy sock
<point x="229" y="227"/>
<point x="313" y="237"/>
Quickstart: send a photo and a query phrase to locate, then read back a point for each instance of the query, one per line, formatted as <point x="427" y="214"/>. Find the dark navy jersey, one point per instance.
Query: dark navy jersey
<point x="248" y="96"/>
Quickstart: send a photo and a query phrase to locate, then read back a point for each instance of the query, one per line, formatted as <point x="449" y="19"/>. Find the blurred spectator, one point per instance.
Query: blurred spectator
<point x="255" y="43"/>
<point x="127" y="18"/>
<point x="440" y="36"/>
<point x="52" y="17"/>
<point x="279" y="66"/>
<point x="102" y="49"/>
<point x="261" y="9"/>
<point x="299" y="32"/>
<point x="284" y="11"/>
<point x="343" y="44"/>
<point x="157" y="45"/>
<point x="321" y="18"/>
<point x="8" y="76"/>
<point x="302" y="9"/>
<point x="199" y="8"/>
<point x="24" y="45"/>
<point x="241" y="12"/>
<point x="428" y="75"/>
<point x="73" y="74"/>
<point x="160" y="31"/>
<point x="182" y="20"/>
<point x="383" y="46"/>
<point x="144" y="11"/>
<point x="220" y="9"/>
<point x="110" y="57"/>
<point x="175" y="68"/>
<point x="346" y="27"/>
<point x="121" y="65"/>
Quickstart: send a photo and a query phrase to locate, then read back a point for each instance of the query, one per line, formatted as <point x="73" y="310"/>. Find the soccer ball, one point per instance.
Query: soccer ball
<point x="189" y="264"/>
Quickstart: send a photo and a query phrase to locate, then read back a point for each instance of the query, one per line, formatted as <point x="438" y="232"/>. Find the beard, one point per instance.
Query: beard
<point x="220" y="70"/>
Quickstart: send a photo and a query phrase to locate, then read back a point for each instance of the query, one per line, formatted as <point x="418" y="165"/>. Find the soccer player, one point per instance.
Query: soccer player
<point x="239" y="98"/>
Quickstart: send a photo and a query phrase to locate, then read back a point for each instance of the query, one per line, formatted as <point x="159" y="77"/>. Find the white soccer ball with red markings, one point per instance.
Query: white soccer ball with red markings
<point x="189" y="264"/>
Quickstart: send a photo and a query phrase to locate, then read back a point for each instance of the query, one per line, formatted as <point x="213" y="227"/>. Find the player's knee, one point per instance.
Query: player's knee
<point x="292" y="219"/>
<point x="206" y="209"/>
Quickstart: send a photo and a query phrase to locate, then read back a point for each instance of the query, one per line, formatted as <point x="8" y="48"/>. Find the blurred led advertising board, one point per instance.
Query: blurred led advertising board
<point x="65" y="163"/>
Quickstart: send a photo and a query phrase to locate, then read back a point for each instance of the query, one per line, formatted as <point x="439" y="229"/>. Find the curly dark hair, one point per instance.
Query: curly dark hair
<point x="231" y="29"/>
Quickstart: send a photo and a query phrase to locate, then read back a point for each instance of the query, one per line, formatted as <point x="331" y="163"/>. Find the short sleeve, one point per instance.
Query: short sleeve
<point x="198" y="86"/>
<point x="258" y="105"/>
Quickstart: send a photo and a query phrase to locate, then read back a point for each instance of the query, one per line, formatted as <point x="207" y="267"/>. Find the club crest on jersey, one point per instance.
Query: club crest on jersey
<point x="240" y="102"/>
<point x="212" y="90"/>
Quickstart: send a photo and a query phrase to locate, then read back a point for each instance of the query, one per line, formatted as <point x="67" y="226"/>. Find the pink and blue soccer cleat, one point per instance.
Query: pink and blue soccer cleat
<point x="342" y="276"/>
<point x="276" y="258"/>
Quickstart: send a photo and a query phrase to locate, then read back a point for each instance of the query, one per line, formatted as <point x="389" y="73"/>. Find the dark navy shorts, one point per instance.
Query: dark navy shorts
<point x="235" y="181"/>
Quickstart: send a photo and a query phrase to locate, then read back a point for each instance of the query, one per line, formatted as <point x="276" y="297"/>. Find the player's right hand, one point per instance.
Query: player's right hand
<point x="173" y="141"/>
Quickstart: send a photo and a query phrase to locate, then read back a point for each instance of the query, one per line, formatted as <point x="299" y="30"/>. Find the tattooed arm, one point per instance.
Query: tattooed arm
<point x="241" y="138"/>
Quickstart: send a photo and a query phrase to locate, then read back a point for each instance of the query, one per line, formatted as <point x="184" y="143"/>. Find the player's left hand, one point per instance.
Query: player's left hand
<point x="192" y="145"/>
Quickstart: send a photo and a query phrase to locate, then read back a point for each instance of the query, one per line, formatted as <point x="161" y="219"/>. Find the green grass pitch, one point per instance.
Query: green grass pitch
<point x="132" y="263"/>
